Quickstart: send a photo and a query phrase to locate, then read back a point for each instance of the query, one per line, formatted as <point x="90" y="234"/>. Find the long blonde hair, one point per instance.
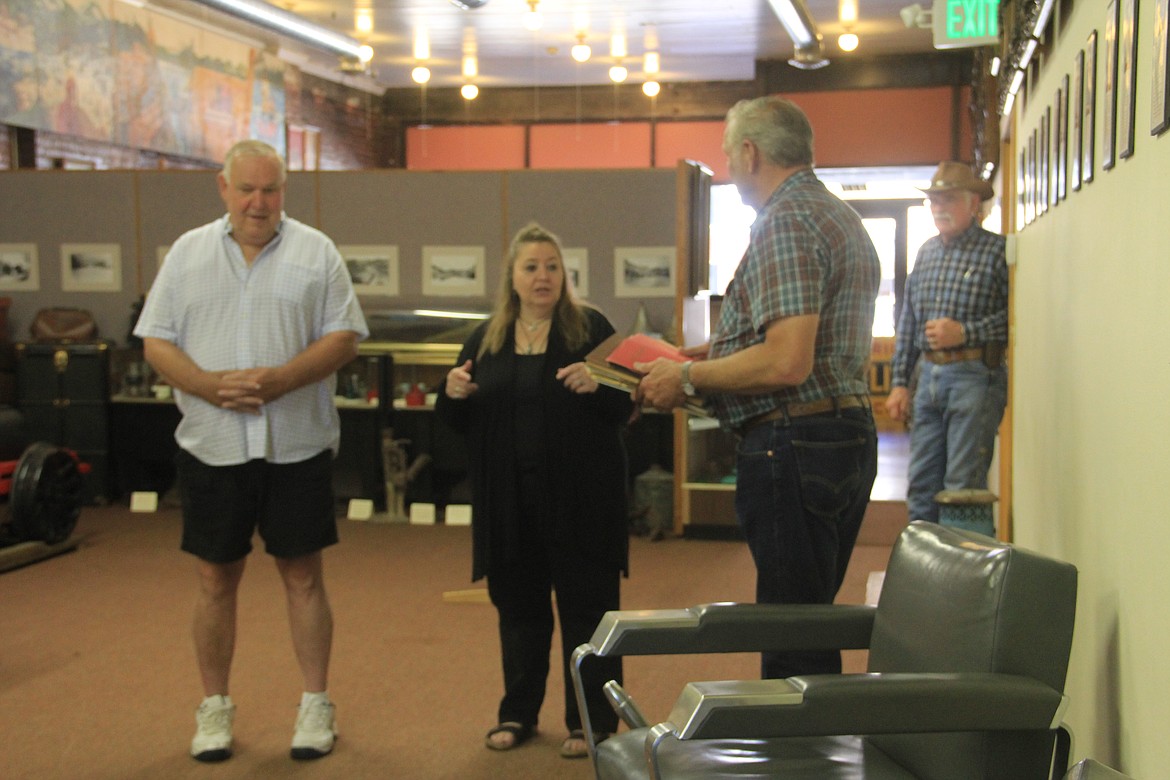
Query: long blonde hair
<point x="568" y="315"/>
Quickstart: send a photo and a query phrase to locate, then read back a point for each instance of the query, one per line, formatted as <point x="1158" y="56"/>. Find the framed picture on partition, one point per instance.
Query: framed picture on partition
<point x="1089" y="110"/>
<point x="19" y="268"/>
<point x="91" y="268"/>
<point x="453" y="270"/>
<point x="372" y="269"/>
<point x="1159" y="99"/>
<point x="1109" y="117"/>
<point x="1030" y="197"/>
<point x="1126" y="77"/>
<point x="644" y="272"/>
<point x="576" y="261"/>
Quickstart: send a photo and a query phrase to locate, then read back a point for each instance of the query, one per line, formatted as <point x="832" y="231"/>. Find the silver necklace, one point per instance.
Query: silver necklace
<point x="534" y="326"/>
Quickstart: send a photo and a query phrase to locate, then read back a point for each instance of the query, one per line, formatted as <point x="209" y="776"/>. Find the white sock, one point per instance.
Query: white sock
<point x="319" y="696"/>
<point x="218" y="699"/>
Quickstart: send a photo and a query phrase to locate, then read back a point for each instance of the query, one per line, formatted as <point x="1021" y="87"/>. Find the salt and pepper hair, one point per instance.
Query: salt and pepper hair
<point x="252" y="148"/>
<point x="568" y="315"/>
<point x="776" y="126"/>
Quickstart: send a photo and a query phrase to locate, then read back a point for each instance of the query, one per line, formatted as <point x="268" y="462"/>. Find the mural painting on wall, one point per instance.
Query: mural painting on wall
<point x="103" y="70"/>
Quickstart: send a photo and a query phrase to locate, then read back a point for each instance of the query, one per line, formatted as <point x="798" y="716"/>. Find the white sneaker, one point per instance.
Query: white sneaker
<point x="316" y="730"/>
<point x="213" y="729"/>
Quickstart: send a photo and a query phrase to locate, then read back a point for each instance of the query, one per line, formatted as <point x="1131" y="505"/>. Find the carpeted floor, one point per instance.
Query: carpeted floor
<point x="98" y="679"/>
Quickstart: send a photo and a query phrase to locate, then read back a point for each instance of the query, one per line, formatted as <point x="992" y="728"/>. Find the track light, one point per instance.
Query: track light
<point x="286" y="23"/>
<point x="794" y="15"/>
<point x="916" y="16"/>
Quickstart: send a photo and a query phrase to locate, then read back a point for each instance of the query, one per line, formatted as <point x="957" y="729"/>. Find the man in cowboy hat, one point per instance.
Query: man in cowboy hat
<point x="954" y="316"/>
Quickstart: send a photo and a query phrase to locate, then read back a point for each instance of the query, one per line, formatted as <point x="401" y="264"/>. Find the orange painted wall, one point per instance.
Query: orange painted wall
<point x="590" y="145"/>
<point x="700" y="141"/>
<point x="856" y="128"/>
<point x="883" y="126"/>
<point x="465" y="148"/>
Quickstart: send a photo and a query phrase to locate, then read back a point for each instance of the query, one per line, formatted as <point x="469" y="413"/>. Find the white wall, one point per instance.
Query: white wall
<point x="1092" y="413"/>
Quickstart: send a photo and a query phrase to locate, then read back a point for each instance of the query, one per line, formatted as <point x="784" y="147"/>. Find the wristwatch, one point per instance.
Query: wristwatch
<point x="687" y="387"/>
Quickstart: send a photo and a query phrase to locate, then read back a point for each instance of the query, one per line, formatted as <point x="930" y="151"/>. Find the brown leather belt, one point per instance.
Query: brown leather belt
<point x="805" y="409"/>
<point x="944" y="356"/>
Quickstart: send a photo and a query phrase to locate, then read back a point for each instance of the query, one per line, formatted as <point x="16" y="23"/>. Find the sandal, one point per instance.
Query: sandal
<point x="575" y="746"/>
<point x="520" y="733"/>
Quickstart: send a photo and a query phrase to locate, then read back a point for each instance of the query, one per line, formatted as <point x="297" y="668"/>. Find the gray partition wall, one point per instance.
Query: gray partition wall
<point x="141" y="211"/>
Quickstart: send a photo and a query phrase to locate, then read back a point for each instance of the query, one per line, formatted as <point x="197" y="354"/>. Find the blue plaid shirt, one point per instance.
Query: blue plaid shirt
<point x="966" y="280"/>
<point x="809" y="254"/>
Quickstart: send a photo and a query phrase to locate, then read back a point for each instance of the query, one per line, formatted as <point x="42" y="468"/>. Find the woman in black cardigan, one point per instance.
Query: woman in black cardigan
<point x="548" y="475"/>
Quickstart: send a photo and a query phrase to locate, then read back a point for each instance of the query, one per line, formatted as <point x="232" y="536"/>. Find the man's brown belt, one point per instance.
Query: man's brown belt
<point x="991" y="355"/>
<point x="805" y="409"/>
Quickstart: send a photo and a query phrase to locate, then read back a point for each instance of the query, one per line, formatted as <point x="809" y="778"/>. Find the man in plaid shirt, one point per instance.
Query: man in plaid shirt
<point x="786" y="369"/>
<point x="954" y="317"/>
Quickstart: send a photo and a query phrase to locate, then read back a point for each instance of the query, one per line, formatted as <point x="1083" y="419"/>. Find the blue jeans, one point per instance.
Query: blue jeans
<point x="801" y="490"/>
<point x="957" y="411"/>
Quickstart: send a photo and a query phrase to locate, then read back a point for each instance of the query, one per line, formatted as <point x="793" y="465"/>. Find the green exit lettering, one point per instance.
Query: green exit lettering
<point x="972" y="18"/>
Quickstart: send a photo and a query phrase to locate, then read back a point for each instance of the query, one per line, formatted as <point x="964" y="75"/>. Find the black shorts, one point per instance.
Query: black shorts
<point x="291" y="504"/>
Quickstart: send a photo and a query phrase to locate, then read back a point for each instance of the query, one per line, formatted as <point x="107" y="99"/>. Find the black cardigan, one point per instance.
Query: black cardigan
<point x="586" y="460"/>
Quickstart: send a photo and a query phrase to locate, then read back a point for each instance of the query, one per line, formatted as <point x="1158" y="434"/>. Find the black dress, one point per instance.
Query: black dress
<point x="548" y="475"/>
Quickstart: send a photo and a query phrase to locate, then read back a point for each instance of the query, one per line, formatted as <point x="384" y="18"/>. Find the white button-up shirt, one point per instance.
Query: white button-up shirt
<point x="227" y="315"/>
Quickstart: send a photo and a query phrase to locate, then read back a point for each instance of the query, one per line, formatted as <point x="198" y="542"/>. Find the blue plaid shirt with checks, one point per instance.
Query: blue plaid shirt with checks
<point x="966" y="280"/>
<point x="809" y="254"/>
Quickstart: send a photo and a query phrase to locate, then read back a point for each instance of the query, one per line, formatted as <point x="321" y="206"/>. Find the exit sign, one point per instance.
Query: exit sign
<point x="960" y="24"/>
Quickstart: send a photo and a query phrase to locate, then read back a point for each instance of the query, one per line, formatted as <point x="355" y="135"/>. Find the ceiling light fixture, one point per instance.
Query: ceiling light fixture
<point x="422" y="44"/>
<point x="421" y="74"/>
<point x="470" y="66"/>
<point x="469" y="5"/>
<point x="618" y="73"/>
<point x="808" y="51"/>
<point x="532" y="18"/>
<point x="847" y="12"/>
<point x="286" y="23"/>
<point x="617" y="45"/>
<point x="363" y="19"/>
<point x="469" y="91"/>
<point x="651" y="62"/>
<point x="848" y="41"/>
<point x="651" y="88"/>
<point x="581" y="51"/>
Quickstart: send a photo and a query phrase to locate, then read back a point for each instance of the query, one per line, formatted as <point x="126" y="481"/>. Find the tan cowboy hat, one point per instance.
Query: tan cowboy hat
<point x="957" y="176"/>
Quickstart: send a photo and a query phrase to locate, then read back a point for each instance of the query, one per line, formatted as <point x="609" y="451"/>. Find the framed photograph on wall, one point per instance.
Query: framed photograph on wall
<point x="1060" y="143"/>
<point x="1044" y="163"/>
<point x="643" y="272"/>
<point x="1109" y="97"/>
<point x="91" y="268"/>
<point x="372" y="269"/>
<point x="453" y="270"/>
<point x="1076" y="136"/>
<point x="1030" y="196"/>
<point x="1089" y="110"/>
<point x="20" y="270"/>
<point x="1159" y="102"/>
<point x="577" y="267"/>
<point x="1126" y="77"/>
<point x="1022" y="188"/>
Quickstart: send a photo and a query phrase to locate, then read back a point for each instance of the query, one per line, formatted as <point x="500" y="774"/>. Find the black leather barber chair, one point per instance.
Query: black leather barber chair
<point x="968" y="651"/>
